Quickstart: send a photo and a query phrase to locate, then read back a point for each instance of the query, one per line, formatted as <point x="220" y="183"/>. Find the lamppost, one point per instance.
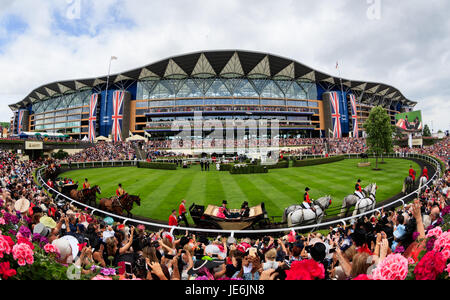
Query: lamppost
<point x="105" y="118"/>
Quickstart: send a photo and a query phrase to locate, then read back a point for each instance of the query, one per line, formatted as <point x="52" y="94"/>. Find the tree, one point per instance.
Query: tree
<point x="426" y="131"/>
<point x="379" y="132"/>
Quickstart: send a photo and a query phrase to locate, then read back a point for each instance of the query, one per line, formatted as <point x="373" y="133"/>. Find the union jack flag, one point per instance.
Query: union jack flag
<point x="117" y="116"/>
<point x="354" y="116"/>
<point x="336" y="115"/>
<point x="92" y="116"/>
<point x="20" y="120"/>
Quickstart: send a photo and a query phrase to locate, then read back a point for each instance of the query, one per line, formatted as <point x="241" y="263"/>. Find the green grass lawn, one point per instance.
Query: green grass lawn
<point x="161" y="190"/>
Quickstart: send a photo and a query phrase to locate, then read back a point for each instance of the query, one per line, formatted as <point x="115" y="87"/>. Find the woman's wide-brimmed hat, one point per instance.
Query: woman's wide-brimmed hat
<point x="48" y="222"/>
<point x="22" y="205"/>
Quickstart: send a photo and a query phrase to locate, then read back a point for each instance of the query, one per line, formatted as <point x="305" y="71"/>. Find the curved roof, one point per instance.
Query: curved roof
<point x="219" y="63"/>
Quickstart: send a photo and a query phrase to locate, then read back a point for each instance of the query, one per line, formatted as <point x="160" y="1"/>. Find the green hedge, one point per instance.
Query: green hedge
<point x="250" y="169"/>
<point x="226" y="167"/>
<point x="319" y="161"/>
<point x="158" y="166"/>
<point x="284" y="164"/>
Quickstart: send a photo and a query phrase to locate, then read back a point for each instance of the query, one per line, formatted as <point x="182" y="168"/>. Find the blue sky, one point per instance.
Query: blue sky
<point x="402" y="43"/>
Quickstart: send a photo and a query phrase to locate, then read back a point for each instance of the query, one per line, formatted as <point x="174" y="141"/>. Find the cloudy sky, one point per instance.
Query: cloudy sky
<point x="402" y="43"/>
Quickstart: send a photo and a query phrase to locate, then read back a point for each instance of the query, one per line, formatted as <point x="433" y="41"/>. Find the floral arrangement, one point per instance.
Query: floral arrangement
<point x="26" y="256"/>
<point x="393" y="267"/>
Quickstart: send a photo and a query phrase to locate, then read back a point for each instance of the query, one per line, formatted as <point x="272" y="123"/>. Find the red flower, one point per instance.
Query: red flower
<point x="6" y="270"/>
<point x="431" y="265"/>
<point x="362" y="277"/>
<point x="305" y="270"/>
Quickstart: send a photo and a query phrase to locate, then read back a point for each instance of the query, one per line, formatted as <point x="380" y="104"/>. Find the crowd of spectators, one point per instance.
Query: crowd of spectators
<point x="439" y="150"/>
<point x="106" y="151"/>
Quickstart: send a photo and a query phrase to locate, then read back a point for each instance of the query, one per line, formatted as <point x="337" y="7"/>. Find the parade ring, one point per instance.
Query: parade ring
<point x="431" y="162"/>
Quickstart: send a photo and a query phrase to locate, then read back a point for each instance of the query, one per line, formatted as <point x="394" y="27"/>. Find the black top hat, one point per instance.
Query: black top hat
<point x="307" y="189"/>
<point x="359" y="180"/>
<point x="318" y="252"/>
<point x="224" y="202"/>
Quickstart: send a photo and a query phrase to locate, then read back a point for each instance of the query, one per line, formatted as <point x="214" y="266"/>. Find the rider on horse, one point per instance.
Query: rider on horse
<point x="412" y="173"/>
<point x="120" y="191"/>
<point x="307" y="203"/>
<point x="86" y="184"/>
<point x="358" y="190"/>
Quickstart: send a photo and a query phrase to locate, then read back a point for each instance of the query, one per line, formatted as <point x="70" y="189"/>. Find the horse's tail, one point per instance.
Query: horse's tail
<point x="344" y="206"/>
<point x="289" y="219"/>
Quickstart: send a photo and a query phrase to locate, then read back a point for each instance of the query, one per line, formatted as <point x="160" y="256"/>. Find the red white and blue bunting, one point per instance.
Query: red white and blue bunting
<point x="335" y="115"/>
<point x="93" y="117"/>
<point x="354" y="116"/>
<point x="117" y="116"/>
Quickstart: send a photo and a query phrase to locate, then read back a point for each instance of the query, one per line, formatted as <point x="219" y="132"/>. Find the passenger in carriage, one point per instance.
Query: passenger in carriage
<point x="226" y="212"/>
<point x="245" y="210"/>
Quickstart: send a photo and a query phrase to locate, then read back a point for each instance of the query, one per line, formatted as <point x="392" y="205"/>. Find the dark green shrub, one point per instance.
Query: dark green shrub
<point x="319" y="161"/>
<point x="158" y="166"/>
<point x="250" y="169"/>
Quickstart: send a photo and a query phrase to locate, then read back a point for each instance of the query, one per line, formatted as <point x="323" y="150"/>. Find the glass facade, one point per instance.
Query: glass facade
<point x="62" y="114"/>
<point x="220" y="87"/>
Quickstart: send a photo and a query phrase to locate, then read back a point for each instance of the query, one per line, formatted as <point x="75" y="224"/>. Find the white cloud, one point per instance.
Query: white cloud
<point x="407" y="47"/>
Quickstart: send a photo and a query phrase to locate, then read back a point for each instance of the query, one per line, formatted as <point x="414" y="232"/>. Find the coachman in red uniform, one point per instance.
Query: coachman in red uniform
<point x="173" y="218"/>
<point x="412" y="173"/>
<point x="182" y="212"/>
<point x="425" y="173"/>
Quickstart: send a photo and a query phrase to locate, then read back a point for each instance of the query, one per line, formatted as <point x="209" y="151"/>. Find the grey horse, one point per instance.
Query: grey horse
<point x="351" y="200"/>
<point x="368" y="203"/>
<point x="408" y="185"/>
<point x="297" y="215"/>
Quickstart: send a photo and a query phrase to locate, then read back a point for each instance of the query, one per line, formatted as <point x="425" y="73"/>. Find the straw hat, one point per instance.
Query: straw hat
<point x="22" y="205"/>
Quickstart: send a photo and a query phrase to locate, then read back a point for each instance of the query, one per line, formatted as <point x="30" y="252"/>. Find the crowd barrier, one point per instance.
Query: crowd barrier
<point x="126" y="220"/>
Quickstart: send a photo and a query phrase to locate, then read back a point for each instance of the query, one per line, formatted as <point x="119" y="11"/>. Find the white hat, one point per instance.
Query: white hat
<point x="22" y="205"/>
<point x="64" y="247"/>
<point x="214" y="249"/>
<point x="73" y="244"/>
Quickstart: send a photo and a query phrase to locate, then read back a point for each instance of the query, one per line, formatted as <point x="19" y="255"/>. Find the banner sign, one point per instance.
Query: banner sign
<point x="117" y="116"/>
<point x="354" y="116"/>
<point x="336" y="116"/>
<point x="34" y="145"/>
<point x="93" y="116"/>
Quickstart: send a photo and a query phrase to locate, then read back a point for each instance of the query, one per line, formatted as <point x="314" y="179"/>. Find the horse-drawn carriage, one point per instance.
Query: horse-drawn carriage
<point x="66" y="188"/>
<point x="209" y="217"/>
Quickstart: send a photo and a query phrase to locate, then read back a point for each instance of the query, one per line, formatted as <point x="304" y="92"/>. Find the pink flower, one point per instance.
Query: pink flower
<point x="436" y="232"/>
<point x="442" y="244"/>
<point x="23" y="254"/>
<point x="448" y="269"/>
<point x="100" y="277"/>
<point x="2" y="221"/>
<point x="5" y="245"/>
<point x="393" y="267"/>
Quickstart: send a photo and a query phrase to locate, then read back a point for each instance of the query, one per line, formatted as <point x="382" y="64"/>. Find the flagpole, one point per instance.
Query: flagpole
<point x="105" y="119"/>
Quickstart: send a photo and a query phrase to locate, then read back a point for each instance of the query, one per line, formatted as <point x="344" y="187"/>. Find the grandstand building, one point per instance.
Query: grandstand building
<point x="223" y="85"/>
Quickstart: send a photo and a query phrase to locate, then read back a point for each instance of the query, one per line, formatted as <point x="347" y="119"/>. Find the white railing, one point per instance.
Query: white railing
<point x="266" y="231"/>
